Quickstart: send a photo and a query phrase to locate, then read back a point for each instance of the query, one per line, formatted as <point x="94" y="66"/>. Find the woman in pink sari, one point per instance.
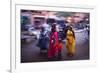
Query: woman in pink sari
<point x="53" y="42"/>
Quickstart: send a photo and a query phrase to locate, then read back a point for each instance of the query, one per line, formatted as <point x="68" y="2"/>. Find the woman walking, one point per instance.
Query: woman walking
<point x="70" y="41"/>
<point x="43" y="41"/>
<point x="53" y="42"/>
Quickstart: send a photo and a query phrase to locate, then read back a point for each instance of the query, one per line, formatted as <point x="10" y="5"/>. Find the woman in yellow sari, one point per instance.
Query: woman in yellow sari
<point x="70" y="41"/>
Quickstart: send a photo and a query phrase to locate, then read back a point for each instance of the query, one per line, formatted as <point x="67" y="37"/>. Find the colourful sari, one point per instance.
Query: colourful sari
<point x="52" y="45"/>
<point x="70" y="42"/>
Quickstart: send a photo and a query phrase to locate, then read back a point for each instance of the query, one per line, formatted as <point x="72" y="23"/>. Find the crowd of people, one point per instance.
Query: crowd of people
<point x="51" y="44"/>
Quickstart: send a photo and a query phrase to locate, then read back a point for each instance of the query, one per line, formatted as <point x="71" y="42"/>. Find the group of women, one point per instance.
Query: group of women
<point x="55" y="45"/>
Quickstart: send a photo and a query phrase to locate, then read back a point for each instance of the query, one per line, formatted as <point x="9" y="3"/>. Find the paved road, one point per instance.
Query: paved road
<point x="31" y="53"/>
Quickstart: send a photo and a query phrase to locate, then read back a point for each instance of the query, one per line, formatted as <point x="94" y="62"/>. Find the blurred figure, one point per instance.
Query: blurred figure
<point x="79" y="20"/>
<point x="43" y="41"/>
<point x="47" y="26"/>
<point x="70" y="21"/>
<point x="70" y="41"/>
<point x="53" y="42"/>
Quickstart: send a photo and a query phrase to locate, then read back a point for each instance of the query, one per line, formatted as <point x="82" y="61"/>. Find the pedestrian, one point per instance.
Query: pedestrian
<point x="70" y="41"/>
<point x="53" y="42"/>
<point x="43" y="41"/>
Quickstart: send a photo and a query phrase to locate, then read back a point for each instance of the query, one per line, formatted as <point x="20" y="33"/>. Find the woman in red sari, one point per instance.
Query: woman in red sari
<point x="53" y="42"/>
